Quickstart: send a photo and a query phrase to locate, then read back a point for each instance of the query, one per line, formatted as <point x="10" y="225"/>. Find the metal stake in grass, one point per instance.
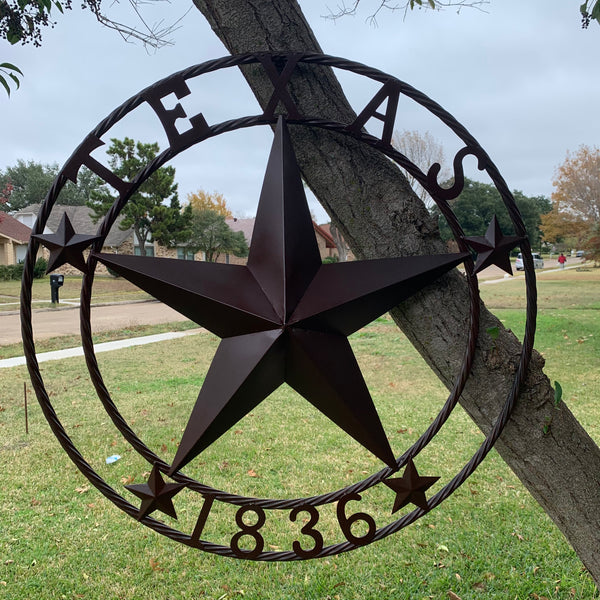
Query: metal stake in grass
<point x="26" y="416"/>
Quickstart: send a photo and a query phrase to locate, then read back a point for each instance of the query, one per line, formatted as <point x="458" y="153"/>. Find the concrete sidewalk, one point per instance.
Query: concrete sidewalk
<point x="104" y="347"/>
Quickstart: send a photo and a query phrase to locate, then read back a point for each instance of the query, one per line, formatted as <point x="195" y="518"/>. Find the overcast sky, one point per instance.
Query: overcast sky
<point x="522" y="77"/>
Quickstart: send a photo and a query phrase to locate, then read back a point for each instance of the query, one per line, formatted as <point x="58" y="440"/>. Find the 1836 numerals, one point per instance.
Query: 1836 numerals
<point x="251" y="518"/>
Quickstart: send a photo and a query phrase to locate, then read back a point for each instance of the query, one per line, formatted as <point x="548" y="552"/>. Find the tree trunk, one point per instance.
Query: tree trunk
<point x="340" y="243"/>
<point x="379" y="215"/>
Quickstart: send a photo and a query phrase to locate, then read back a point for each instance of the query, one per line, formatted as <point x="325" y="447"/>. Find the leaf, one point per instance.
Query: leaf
<point x="11" y="67"/>
<point x="557" y="393"/>
<point x="82" y="489"/>
<point x="3" y="82"/>
<point x="493" y="332"/>
<point x="252" y="473"/>
<point x="13" y="37"/>
<point x="453" y="596"/>
<point x="154" y="565"/>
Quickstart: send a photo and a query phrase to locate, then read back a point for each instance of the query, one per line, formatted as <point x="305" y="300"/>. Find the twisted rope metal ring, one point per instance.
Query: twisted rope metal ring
<point x="232" y="125"/>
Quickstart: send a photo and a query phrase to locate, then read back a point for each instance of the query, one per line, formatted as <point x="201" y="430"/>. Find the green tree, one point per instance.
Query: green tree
<point x="212" y="235"/>
<point x="30" y="182"/>
<point x="479" y="202"/>
<point x="153" y="211"/>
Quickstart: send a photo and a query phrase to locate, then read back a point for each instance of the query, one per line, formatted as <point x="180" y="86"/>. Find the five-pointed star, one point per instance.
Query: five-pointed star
<point x="410" y="487"/>
<point x="156" y="494"/>
<point x="284" y="317"/>
<point x="493" y="248"/>
<point x="66" y="246"/>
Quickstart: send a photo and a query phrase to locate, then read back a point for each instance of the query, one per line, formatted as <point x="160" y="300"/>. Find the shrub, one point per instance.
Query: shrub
<point x="39" y="269"/>
<point x="330" y="259"/>
<point x="8" y="272"/>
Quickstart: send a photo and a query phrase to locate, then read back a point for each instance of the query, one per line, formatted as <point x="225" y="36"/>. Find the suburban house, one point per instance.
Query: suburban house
<point x="124" y="242"/>
<point x="14" y="237"/>
<point x="324" y="240"/>
<point x="116" y="242"/>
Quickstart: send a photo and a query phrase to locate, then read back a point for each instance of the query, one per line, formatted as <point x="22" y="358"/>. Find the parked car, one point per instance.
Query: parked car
<point x="538" y="262"/>
<point x="580" y="253"/>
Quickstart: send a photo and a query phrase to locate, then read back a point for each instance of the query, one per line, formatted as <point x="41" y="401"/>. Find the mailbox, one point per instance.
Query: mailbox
<point x="56" y="281"/>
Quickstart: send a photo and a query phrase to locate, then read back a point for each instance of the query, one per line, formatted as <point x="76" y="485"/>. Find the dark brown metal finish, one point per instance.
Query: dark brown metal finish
<point x="66" y="246"/>
<point x="316" y="307"/>
<point x="294" y="323"/>
<point x="493" y="248"/>
<point x="156" y="494"/>
<point x="411" y="487"/>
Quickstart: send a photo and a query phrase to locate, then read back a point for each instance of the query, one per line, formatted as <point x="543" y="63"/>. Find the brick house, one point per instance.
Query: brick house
<point x="324" y="240"/>
<point x="14" y="238"/>
<point x="117" y="241"/>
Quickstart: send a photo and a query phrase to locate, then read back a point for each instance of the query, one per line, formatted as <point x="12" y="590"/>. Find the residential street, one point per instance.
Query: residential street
<point x="65" y="321"/>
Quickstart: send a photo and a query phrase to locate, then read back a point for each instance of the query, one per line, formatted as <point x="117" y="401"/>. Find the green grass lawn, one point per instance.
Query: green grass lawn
<point x="59" y="537"/>
<point x="105" y="289"/>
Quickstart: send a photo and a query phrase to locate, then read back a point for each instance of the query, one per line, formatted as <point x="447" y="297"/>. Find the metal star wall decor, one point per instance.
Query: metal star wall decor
<point x="411" y="487"/>
<point x="66" y="246"/>
<point x="284" y="317"/>
<point x="156" y="494"/>
<point x="493" y="248"/>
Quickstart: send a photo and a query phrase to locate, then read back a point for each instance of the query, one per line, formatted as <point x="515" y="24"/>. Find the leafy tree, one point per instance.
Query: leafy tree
<point x="30" y="181"/>
<point x="214" y="201"/>
<point x="562" y="229"/>
<point x="479" y="202"/>
<point x="423" y="150"/>
<point x="212" y="235"/>
<point x="575" y="215"/>
<point x="577" y="184"/>
<point x="146" y="211"/>
<point x="560" y="468"/>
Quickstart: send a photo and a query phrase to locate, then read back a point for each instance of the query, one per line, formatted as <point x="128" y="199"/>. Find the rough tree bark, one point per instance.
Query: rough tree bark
<point x="379" y="216"/>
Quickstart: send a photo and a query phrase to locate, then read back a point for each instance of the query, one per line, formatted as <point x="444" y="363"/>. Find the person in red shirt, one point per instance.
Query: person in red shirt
<point x="562" y="259"/>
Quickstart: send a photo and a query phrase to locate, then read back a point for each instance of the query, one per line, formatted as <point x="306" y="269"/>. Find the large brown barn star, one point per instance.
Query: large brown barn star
<point x="283" y="317"/>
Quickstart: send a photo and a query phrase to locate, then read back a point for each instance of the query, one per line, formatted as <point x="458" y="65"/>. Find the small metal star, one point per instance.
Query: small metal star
<point x="410" y="488"/>
<point x="66" y="246"/>
<point x="156" y="494"/>
<point x="493" y="248"/>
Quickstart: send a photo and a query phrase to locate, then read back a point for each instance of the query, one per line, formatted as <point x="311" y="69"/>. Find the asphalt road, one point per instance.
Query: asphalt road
<point x="65" y="321"/>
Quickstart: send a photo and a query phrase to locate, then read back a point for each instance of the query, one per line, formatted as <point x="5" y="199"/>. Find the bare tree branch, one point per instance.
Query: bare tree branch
<point x="153" y="36"/>
<point x="351" y="9"/>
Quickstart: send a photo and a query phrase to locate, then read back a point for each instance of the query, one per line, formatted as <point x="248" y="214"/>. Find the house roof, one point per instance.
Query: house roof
<point x="244" y="225"/>
<point x="325" y="232"/>
<point x="13" y="229"/>
<point x="81" y="219"/>
<point x="247" y="227"/>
